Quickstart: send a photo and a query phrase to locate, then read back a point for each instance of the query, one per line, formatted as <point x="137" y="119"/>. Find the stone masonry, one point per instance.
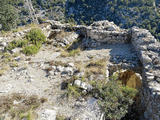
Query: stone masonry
<point x="148" y="50"/>
<point x="149" y="53"/>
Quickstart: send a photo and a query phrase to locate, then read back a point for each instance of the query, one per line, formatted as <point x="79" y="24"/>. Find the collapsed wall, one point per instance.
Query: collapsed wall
<point x="101" y="31"/>
<point x="148" y="50"/>
<point x="149" y="53"/>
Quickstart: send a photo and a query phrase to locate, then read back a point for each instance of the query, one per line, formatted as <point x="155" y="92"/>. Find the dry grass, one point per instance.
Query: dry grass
<point x="62" y="34"/>
<point x="70" y="53"/>
<point x="57" y="63"/>
<point x="3" y="69"/>
<point x="60" y="117"/>
<point x="79" y="65"/>
<point x="19" y="106"/>
<point x="96" y="67"/>
<point x="2" y="72"/>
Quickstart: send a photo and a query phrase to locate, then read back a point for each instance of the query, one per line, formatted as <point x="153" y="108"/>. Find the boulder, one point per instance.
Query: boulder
<point x="131" y="79"/>
<point x="83" y="85"/>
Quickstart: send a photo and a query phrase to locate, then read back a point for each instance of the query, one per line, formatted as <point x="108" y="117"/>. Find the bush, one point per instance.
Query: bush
<point x="114" y="99"/>
<point x="36" y="36"/>
<point x="30" y="50"/>
<point x="73" y="91"/>
<point x="16" y="43"/>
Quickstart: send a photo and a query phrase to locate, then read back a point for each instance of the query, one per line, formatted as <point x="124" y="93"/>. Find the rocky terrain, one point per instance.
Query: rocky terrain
<point x="35" y="86"/>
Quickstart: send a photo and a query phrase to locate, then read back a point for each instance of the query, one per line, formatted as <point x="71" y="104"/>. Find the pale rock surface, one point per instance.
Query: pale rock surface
<point x="48" y="114"/>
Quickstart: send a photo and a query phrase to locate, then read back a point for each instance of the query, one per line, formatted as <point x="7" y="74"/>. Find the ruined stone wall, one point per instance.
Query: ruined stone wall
<point x="108" y="32"/>
<point x="108" y="36"/>
<point x="148" y="50"/>
<point x="149" y="53"/>
<point x="101" y="31"/>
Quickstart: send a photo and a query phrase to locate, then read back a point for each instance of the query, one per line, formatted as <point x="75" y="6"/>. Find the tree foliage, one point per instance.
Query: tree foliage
<point x="8" y="15"/>
<point x="125" y="13"/>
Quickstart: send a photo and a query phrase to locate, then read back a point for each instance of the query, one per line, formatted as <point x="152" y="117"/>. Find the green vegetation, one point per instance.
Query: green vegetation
<point x="30" y="50"/>
<point x="114" y="98"/>
<point x="16" y="43"/>
<point x="125" y="13"/>
<point x="36" y="37"/>
<point x="31" y="44"/>
<point x="25" y="107"/>
<point x="8" y="15"/>
<point x="28" y="116"/>
<point x="73" y="91"/>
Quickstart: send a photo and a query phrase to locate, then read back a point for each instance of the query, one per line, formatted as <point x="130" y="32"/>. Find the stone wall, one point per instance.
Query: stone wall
<point x="108" y="32"/>
<point x="149" y="53"/>
<point x="101" y="31"/>
<point x="148" y="50"/>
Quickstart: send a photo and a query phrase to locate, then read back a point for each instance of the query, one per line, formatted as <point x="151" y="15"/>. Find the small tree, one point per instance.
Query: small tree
<point x="36" y="36"/>
<point x="8" y="15"/>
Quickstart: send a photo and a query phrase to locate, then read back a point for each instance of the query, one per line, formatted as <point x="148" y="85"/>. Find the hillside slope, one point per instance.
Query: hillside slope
<point x="125" y="13"/>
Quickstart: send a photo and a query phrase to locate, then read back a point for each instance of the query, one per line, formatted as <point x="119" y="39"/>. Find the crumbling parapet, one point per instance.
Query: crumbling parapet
<point x="149" y="54"/>
<point x="108" y="32"/>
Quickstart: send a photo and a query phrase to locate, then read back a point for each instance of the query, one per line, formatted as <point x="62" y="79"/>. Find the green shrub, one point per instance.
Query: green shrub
<point x="114" y="99"/>
<point x="8" y="15"/>
<point x="73" y="91"/>
<point x="30" y="50"/>
<point x="31" y="44"/>
<point x="16" y="43"/>
<point x="36" y="36"/>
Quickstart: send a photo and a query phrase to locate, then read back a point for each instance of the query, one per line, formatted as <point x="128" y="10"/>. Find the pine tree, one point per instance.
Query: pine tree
<point x="8" y="15"/>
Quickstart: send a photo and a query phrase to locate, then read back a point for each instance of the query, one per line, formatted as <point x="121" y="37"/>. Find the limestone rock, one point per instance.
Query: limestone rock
<point x="16" y="50"/>
<point x="68" y="71"/>
<point x="60" y="68"/>
<point x="3" y="44"/>
<point x="146" y="59"/>
<point x="83" y="85"/>
<point x="89" y="110"/>
<point x="48" y="114"/>
<point x="71" y="64"/>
